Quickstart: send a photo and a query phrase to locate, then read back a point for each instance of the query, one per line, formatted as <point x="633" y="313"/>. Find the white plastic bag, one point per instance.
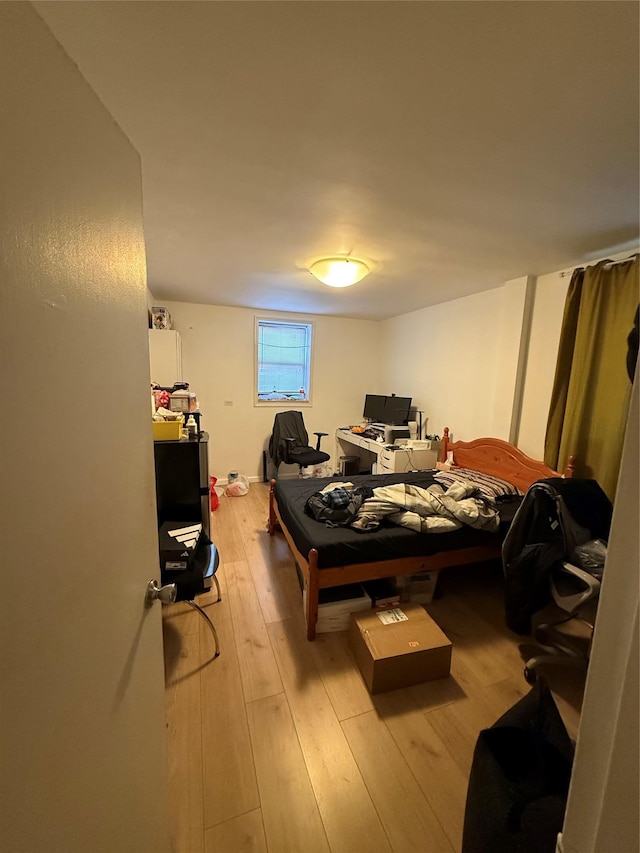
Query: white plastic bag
<point x="323" y="470"/>
<point x="591" y="556"/>
<point x="239" y="487"/>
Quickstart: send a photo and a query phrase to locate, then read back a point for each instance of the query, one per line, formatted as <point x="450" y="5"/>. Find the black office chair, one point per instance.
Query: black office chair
<point x="549" y="556"/>
<point x="289" y="442"/>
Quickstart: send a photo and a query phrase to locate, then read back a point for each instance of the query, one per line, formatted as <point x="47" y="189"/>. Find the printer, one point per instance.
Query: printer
<point x="388" y="433"/>
<point x="394" y="433"/>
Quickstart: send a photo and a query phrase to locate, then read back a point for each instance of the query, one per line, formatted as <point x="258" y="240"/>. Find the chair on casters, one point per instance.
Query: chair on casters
<point x="197" y="574"/>
<point x="555" y="551"/>
<point x="289" y="443"/>
<point x="576" y="592"/>
<point x="208" y="576"/>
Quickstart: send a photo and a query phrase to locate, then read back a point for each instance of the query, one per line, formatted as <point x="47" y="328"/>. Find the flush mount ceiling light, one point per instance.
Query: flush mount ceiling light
<point x="339" y="272"/>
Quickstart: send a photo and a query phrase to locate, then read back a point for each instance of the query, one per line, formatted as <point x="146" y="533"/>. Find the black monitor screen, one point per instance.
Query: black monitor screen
<point x="374" y="408"/>
<point x="396" y="410"/>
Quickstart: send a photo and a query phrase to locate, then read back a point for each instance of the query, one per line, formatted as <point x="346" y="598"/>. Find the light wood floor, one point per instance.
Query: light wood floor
<point x="277" y="745"/>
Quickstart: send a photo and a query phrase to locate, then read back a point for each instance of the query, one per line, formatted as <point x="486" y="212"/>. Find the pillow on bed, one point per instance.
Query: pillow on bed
<point x="492" y="488"/>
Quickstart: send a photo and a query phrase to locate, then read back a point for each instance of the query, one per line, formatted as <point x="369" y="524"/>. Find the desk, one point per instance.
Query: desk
<point x="386" y="461"/>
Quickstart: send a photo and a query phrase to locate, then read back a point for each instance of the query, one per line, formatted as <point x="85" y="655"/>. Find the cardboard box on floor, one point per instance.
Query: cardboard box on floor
<point x="398" y="647"/>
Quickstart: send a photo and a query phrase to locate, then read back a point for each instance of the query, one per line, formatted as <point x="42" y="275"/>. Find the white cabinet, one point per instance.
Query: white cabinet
<point x="386" y="461"/>
<point x="399" y="461"/>
<point x="165" y="356"/>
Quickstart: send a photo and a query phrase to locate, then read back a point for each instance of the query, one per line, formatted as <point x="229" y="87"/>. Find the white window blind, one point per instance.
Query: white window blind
<point x="284" y="360"/>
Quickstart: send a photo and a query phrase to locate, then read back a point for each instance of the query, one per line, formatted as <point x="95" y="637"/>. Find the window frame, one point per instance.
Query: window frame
<point x="282" y="403"/>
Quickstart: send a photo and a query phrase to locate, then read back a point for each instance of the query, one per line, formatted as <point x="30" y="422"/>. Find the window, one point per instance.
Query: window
<point x="283" y="361"/>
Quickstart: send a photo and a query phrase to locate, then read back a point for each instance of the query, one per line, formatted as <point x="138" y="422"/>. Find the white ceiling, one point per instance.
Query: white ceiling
<point x="457" y="145"/>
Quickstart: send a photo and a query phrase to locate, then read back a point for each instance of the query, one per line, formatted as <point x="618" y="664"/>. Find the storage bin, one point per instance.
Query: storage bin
<point x="335" y="606"/>
<point x="418" y="587"/>
<point x="180" y="401"/>
<point x="349" y="465"/>
<point x="167" y="430"/>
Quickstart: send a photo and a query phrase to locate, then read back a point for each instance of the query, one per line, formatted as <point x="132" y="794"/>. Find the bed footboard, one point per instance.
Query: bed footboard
<point x="318" y="579"/>
<point x="313" y="594"/>
<point x="308" y="565"/>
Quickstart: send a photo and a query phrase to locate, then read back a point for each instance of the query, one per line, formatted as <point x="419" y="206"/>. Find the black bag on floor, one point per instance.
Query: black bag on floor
<point x="519" y="780"/>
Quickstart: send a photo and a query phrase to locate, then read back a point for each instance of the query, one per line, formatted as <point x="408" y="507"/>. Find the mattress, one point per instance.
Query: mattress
<point x="340" y="546"/>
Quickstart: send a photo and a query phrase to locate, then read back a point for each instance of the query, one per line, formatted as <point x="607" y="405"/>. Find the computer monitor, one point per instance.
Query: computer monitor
<point x="386" y="409"/>
<point x="374" y="408"/>
<point x="396" y="410"/>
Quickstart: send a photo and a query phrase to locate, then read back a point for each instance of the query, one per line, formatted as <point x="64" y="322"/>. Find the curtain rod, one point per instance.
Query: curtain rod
<point x="609" y="264"/>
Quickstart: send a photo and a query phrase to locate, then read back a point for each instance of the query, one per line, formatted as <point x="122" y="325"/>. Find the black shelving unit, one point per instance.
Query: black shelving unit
<point x="182" y="481"/>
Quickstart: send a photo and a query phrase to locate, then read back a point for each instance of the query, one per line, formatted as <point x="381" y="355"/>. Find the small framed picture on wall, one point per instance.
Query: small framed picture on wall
<point x="160" y="317"/>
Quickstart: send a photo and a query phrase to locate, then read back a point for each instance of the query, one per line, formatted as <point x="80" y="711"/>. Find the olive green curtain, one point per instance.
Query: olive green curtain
<point x="591" y="389"/>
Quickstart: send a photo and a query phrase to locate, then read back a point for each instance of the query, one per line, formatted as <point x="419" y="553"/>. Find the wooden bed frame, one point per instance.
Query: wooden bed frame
<point x="489" y="455"/>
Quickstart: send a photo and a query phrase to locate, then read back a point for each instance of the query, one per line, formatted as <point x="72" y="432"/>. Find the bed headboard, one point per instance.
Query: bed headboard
<point x="500" y="459"/>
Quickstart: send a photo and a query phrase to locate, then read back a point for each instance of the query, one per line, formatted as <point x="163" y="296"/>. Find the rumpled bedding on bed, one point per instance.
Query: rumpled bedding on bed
<point x="424" y="510"/>
<point x="430" y="510"/>
<point x="337" y="546"/>
<point x="337" y="504"/>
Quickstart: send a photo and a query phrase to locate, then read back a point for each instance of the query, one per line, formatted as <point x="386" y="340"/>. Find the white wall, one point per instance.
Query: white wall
<point x="458" y="360"/>
<point x="602" y="811"/>
<point x="218" y="362"/>
<point x="551" y="291"/>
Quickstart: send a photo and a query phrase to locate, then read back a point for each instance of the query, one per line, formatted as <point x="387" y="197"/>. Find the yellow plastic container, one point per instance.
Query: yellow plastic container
<point x="167" y="430"/>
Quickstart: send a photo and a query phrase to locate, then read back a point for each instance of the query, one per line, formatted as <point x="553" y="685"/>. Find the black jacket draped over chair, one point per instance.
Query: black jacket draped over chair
<point x="289" y="442"/>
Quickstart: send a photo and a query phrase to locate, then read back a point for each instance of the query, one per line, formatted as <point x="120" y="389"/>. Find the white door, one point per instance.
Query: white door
<point x="83" y="765"/>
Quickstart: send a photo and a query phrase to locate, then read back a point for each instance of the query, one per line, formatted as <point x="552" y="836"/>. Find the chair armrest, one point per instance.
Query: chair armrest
<point x="591" y="580"/>
<point x="319" y="434"/>
<point x="286" y="450"/>
<point x="573" y="603"/>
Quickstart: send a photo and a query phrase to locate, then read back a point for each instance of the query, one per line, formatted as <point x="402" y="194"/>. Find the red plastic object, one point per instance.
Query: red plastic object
<point x="215" y="500"/>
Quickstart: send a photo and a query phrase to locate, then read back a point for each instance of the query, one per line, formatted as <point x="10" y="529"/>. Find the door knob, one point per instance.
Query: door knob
<point x="166" y="594"/>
